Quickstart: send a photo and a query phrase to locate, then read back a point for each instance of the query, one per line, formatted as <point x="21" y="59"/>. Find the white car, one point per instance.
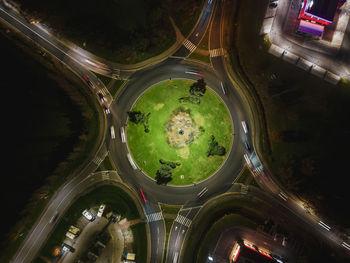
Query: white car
<point x="88" y="215"/>
<point x="112" y="132"/>
<point x="122" y="134"/>
<point x="100" y="210"/>
<point x="244" y="126"/>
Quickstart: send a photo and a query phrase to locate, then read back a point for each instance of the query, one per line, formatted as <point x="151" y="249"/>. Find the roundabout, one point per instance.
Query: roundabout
<point x="179" y="133"/>
<point x="178" y="191"/>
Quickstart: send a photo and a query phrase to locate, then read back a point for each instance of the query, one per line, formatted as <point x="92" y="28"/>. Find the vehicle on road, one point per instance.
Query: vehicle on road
<point x="223" y="88"/>
<point x="122" y="134"/>
<point x="112" y="132"/>
<point x="102" y="98"/>
<point x="100" y="210"/>
<point x="194" y="73"/>
<point x="131" y="161"/>
<point x="107" y="110"/>
<point x="88" y="81"/>
<point x="88" y="215"/>
<point x="247" y="146"/>
<point x="143" y="199"/>
<point x="245" y="127"/>
<point x="54" y="217"/>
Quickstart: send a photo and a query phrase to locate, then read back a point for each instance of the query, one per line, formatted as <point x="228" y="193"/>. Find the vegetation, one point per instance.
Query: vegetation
<point x="126" y="31"/>
<point x="197" y="90"/>
<point x="120" y="202"/>
<point x="164" y="174"/>
<point x="56" y="133"/>
<point x="209" y="118"/>
<point x="308" y="135"/>
<point x="138" y="117"/>
<point x="215" y="148"/>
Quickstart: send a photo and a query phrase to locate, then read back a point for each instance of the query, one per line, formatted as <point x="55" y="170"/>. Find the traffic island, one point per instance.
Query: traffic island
<point x="171" y="127"/>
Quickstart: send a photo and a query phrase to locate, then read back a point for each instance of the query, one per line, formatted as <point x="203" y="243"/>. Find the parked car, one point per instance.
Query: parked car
<point x="88" y="215"/>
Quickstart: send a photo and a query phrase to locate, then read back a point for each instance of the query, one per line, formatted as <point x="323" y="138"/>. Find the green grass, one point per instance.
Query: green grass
<point x="148" y="148"/>
<point x="117" y="198"/>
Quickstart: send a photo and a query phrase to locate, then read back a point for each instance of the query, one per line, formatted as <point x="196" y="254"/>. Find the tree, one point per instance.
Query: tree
<point x="198" y="88"/>
<point x="215" y="148"/>
<point x="136" y="117"/>
<point x="165" y="173"/>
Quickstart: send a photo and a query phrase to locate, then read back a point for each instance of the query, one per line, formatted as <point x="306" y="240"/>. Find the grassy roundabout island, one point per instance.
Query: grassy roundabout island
<point x="179" y="131"/>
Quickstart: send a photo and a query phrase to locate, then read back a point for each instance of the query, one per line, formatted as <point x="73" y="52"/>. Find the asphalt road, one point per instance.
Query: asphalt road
<point x="175" y="67"/>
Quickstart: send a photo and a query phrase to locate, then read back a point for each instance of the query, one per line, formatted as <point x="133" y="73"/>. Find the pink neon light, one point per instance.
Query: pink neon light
<point x="266" y="255"/>
<point x="251" y="248"/>
<point x="235" y="258"/>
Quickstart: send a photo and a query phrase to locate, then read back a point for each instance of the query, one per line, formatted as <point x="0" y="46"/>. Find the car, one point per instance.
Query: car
<point x="70" y="235"/>
<point x="87" y="80"/>
<point x="106" y="109"/>
<point x="143" y="199"/>
<point x="247" y="146"/>
<point x="284" y="241"/>
<point x="112" y="132"/>
<point x="273" y="5"/>
<point x="245" y="127"/>
<point x="102" y="98"/>
<point x="88" y="215"/>
<point x="54" y="217"/>
<point x="100" y="210"/>
<point x="122" y="134"/>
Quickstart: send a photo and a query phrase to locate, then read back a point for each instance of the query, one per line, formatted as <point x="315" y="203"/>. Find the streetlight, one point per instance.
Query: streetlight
<point x="210" y="258"/>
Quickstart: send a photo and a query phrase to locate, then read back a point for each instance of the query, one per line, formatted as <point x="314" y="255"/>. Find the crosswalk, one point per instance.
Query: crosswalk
<point x="97" y="160"/>
<point x="183" y="220"/>
<point x="216" y="52"/>
<point x="154" y="217"/>
<point x="189" y="45"/>
<point x="104" y="91"/>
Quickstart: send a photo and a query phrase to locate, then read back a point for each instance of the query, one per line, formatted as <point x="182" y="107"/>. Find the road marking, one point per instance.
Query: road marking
<point x="154" y="217"/>
<point x="97" y="160"/>
<point x="216" y="52"/>
<point x="183" y="220"/>
<point x="189" y="45"/>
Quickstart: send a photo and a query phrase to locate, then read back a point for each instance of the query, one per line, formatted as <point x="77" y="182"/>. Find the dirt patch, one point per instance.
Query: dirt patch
<point x="158" y="106"/>
<point x="184" y="152"/>
<point x="181" y="130"/>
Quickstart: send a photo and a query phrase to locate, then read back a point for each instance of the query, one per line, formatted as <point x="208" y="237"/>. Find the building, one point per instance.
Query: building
<point x="245" y="252"/>
<point x="319" y="11"/>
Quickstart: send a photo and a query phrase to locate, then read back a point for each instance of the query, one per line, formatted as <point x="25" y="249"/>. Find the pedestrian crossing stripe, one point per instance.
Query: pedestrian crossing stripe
<point x="216" y="52"/>
<point x="97" y="160"/>
<point x="154" y="217"/>
<point x="189" y="45"/>
<point x="183" y="220"/>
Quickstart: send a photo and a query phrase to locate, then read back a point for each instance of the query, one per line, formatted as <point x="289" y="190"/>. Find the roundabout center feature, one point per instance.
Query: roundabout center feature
<point x="179" y="132"/>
